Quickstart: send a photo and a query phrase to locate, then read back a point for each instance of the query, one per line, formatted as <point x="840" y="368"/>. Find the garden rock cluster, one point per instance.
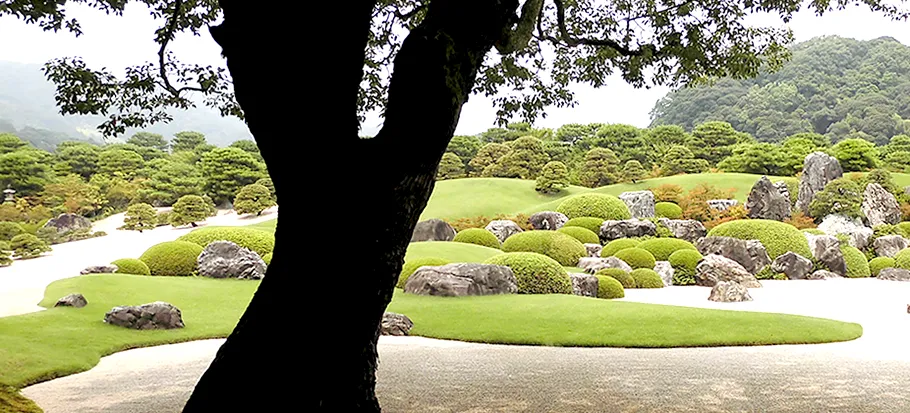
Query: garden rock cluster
<point x="394" y="324"/>
<point x="225" y="259"/>
<point x="594" y="249"/>
<point x="99" y="269"/>
<point x="826" y="249"/>
<point x="767" y="202"/>
<point x="795" y="266"/>
<point x="629" y="228"/>
<point x="462" y="279"/>
<point x="819" y="169"/>
<point x="158" y="315"/>
<point x="687" y="229"/>
<point x="640" y="203"/>
<point x="750" y="254"/>
<point x="503" y="229"/>
<point x="64" y="223"/>
<point x="433" y="230"/>
<point x="72" y="300"/>
<point x="714" y="268"/>
<point x="880" y="206"/>
<point x="547" y="220"/>
<point x="894" y="274"/>
<point x="665" y="271"/>
<point x="822" y="275"/>
<point x="859" y="234"/>
<point x="890" y="245"/>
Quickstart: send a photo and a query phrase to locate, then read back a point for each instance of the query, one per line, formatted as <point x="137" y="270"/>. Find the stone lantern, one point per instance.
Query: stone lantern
<point x="8" y="192"/>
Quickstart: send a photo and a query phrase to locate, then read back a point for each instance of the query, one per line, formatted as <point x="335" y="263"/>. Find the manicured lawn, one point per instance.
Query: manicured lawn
<point x="459" y="198"/>
<point x="13" y="402"/>
<point x="265" y="225"/>
<point x="566" y="320"/>
<point x="452" y="251"/>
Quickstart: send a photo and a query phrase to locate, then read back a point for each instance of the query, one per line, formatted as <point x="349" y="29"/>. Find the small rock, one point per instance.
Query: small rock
<point x="99" y="269"/>
<point x="729" y="292"/>
<point x="593" y="265"/>
<point x="894" y="274"/>
<point x="225" y="259"/>
<point x="594" y="250"/>
<point x="751" y="254"/>
<point x="584" y="285"/>
<point x="394" y="324"/>
<point x="722" y="204"/>
<point x="152" y="316"/>
<point x="839" y="224"/>
<point x="880" y="206"/>
<point x="714" y="268"/>
<point x="819" y="168"/>
<point x="640" y="203"/>
<point x="503" y="228"/>
<point x="665" y="270"/>
<point x="822" y="275"/>
<point x="687" y="229"/>
<point x="548" y="220"/>
<point x="433" y="230"/>
<point x="462" y="279"/>
<point x="890" y="245"/>
<point x="826" y="249"/>
<point x="72" y="300"/>
<point x="628" y="228"/>
<point x="794" y="265"/>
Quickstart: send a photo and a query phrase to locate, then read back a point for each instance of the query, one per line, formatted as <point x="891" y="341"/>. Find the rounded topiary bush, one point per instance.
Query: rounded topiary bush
<point x="685" y="258"/>
<point x="535" y="273"/>
<point x="131" y="266"/>
<point x="583" y="235"/>
<point x="609" y="287"/>
<point x="902" y="259"/>
<point x="257" y="240"/>
<point x="411" y="266"/>
<point x="904" y="227"/>
<point x="662" y="248"/>
<point x="172" y="258"/>
<point x="646" y="278"/>
<point x="620" y="275"/>
<point x="668" y="210"/>
<point x="267" y="258"/>
<point x="879" y="263"/>
<point x="590" y="223"/>
<point x="556" y="245"/>
<point x="594" y="205"/>
<point x="776" y="236"/>
<point x="8" y="230"/>
<point x="857" y="265"/>
<point x="477" y="236"/>
<point x="617" y="245"/>
<point x="636" y="258"/>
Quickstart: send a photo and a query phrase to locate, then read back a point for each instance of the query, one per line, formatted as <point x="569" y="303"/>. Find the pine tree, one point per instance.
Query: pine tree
<point x="553" y="177"/>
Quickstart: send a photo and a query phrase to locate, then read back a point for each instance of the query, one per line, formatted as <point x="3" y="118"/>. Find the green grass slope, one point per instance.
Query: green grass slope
<point x="451" y="251"/>
<point x="473" y="197"/>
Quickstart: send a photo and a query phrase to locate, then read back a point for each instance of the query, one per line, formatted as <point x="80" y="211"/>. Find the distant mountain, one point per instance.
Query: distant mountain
<point x="27" y="108"/>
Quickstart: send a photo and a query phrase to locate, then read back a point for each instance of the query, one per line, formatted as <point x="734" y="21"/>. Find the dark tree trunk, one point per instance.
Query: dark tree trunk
<point x="310" y="288"/>
<point x="193" y="224"/>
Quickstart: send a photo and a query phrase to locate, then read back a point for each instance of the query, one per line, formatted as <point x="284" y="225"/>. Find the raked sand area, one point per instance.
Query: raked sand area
<point x="424" y="375"/>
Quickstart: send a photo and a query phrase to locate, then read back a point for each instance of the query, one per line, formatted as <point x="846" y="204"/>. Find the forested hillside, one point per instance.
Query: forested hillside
<point x="834" y="86"/>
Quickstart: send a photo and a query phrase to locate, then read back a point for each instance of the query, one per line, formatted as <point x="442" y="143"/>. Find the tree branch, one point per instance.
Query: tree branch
<point x="670" y="8"/>
<point x="572" y="41"/>
<point x="513" y="40"/>
<point x="412" y="13"/>
<point x="172" y="28"/>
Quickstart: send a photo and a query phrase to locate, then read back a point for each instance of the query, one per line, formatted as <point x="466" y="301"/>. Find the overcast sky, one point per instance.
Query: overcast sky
<point x="115" y="43"/>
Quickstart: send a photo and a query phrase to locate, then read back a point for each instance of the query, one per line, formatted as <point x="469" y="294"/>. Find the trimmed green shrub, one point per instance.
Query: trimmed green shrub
<point x="646" y="278"/>
<point x="190" y="209"/>
<point x="6" y="252"/>
<point x="8" y="230"/>
<point x="609" y="288"/>
<point x="904" y="227"/>
<point x="636" y="258"/>
<point x="857" y="266"/>
<point x="685" y="258"/>
<point x="140" y="217"/>
<point x="594" y="205"/>
<point x="257" y="240"/>
<point x="556" y="245"/>
<point x="668" y="210"/>
<point x="267" y="258"/>
<point x="411" y="266"/>
<point x="880" y="263"/>
<point x="172" y="258"/>
<point x="477" y="236"/>
<point x="163" y="218"/>
<point x="903" y="259"/>
<point x="590" y="223"/>
<point x="616" y="245"/>
<point x="583" y="235"/>
<point x="814" y="231"/>
<point x="662" y="248"/>
<point x="766" y="273"/>
<point x="131" y="266"/>
<point x="776" y="236"/>
<point x="683" y="276"/>
<point x="536" y="273"/>
<point x="620" y="275"/>
<point x="28" y="246"/>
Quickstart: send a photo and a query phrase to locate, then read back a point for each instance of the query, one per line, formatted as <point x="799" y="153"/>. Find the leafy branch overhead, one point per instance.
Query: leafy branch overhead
<point x="551" y="45"/>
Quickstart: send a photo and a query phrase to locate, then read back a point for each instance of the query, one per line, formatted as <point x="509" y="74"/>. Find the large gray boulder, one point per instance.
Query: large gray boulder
<point x="665" y="271"/>
<point x="628" y="228"/>
<point x="640" y="203"/>
<point x="838" y="224"/>
<point x="750" y="254"/>
<point x="894" y="274"/>
<point x="594" y="249"/>
<point x="457" y="280"/>
<point x="225" y="259"/>
<point x="548" y="220"/>
<point x="880" y="206"/>
<point x="584" y="285"/>
<point x="152" y="316"/>
<point x="99" y="269"/>
<point x="72" y="300"/>
<point x="819" y="168"/>
<point x="433" y="230"/>
<point x="64" y="223"/>
<point x="795" y="266"/>
<point x="766" y="202"/>
<point x="714" y="268"/>
<point x="394" y="324"/>
<point x="503" y="228"/>
<point x="722" y="204"/>
<point x="687" y="229"/>
<point x="729" y="292"/>
<point x="783" y="189"/>
<point x="592" y="265"/>
<point x="889" y="245"/>
<point x="826" y="249"/>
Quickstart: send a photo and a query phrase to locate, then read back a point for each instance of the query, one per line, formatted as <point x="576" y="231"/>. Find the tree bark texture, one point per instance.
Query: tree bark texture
<point x="337" y="257"/>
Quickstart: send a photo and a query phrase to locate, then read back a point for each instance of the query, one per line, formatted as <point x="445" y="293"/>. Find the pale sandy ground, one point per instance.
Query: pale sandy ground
<point x="424" y="375"/>
<point x="22" y="284"/>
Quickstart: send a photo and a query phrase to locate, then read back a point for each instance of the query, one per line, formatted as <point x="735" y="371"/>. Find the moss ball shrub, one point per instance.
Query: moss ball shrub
<point x="594" y="205"/>
<point x="411" y="266"/>
<point x="617" y="245"/>
<point x="176" y="258"/>
<point x="477" y="236"/>
<point x="257" y="240"/>
<point x="267" y="258"/>
<point x="556" y="245"/>
<point x="620" y="275"/>
<point x="583" y="235"/>
<point x="814" y="231"/>
<point x="637" y="258"/>
<point x="609" y="288"/>
<point x="902" y="259"/>
<point x="683" y="276"/>
<point x="8" y="230"/>
<point x="685" y="258"/>
<point x="646" y="278"/>
<point x="535" y="273"/>
<point x="590" y="223"/>
<point x="668" y="210"/>
<point x="857" y="266"/>
<point x="880" y="263"/>
<point x="131" y="266"/>
<point x="662" y="248"/>
<point x="904" y="227"/>
<point x="777" y="237"/>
